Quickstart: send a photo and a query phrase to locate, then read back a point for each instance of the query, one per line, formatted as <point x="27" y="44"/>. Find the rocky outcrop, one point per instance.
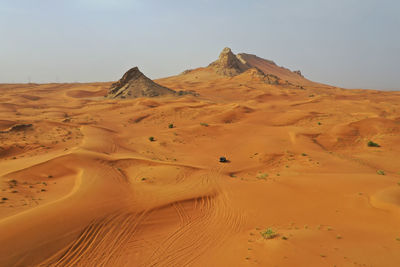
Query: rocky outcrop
<point x="228" y="64"/>
<point x="135" y="84"/>
<point x="186" y="71"/>
<point x="266" y="78"/>
<point x="298" y="72"/>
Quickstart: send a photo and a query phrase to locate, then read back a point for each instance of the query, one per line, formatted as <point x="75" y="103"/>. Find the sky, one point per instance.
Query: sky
<point x="347" y="43"/>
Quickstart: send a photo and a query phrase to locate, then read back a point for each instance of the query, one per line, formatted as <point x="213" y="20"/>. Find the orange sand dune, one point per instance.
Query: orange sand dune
<point x="84" y="185"/>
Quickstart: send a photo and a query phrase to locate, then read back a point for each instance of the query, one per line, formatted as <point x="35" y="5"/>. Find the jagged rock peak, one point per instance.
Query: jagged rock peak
<point x="226" y="55"/>
<point x="226" y="50"/>
<point x="228" y="64"/>
<point x="132" y="74"/>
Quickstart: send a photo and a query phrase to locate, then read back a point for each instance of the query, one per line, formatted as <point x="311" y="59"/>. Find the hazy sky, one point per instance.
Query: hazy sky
<point x="349" y="43"/>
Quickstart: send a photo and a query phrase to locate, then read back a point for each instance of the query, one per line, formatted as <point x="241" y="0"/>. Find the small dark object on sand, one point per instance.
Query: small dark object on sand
<point x="223" y="160"/>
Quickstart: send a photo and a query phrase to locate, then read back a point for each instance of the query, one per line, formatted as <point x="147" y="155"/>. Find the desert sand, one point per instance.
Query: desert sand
<point x="82" y="184"/>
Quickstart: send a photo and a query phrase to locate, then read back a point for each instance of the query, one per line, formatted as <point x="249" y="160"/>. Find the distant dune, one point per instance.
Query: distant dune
<point x="129" y="173"/>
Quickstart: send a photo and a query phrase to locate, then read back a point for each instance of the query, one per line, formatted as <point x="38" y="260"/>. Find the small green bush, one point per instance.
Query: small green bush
<point x="372" y="144"/>
<point x="262" y="176"/>
<point x="380" y="172"/>
<point x="204" y="124"/>
<point x="268" y="233"/>
<point x="152" y="139"/>
<point x="171" y="126"/>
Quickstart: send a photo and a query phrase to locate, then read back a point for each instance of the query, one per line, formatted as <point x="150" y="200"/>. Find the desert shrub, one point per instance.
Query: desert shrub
<point x="262" y="176"/>
<point x="303" y="154"/>
<point x="268" y="233"/>
<point x="13" y="182"/>
<point x="380" y="172"/>
<point x="170" y="126"/>
<point x="4" y="198"/>
<point x="372" y="144"/>
<point x="152" y="139"/>
<point x="204" y="124"/>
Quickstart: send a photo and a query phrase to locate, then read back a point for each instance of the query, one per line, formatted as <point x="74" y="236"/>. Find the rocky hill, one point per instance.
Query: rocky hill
<point x="230" y="65"/>
<point x="135" y="84"/>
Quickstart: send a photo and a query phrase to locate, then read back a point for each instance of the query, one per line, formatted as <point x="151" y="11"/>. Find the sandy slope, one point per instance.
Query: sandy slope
<point x="84" y="186"/>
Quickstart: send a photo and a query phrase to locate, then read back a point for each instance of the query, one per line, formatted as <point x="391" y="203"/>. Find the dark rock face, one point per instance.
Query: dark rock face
<point x="228" y="64"/>
<point x="135" y="84"/>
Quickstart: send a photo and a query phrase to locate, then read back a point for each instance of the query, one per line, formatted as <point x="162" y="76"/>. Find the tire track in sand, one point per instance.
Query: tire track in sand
<point x="214" y="222"/>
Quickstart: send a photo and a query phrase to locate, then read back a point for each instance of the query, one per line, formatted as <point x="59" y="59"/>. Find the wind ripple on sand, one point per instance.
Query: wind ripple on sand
<point x="199" y="223"/>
